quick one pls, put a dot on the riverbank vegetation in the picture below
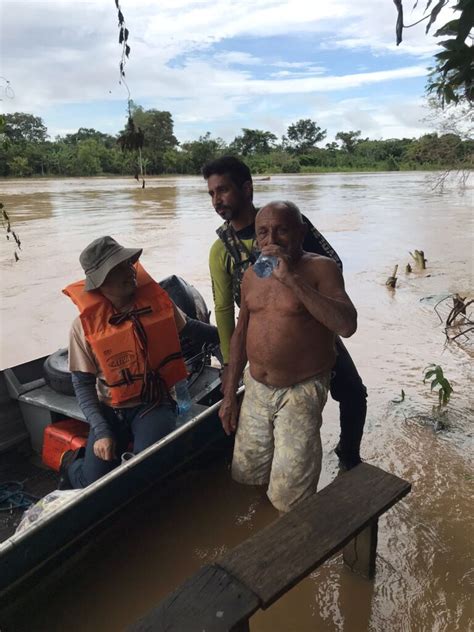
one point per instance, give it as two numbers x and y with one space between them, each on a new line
29 151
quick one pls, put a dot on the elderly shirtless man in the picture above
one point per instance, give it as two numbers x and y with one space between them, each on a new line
286 331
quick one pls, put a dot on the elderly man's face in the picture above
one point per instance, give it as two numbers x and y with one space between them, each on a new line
121 282
277 226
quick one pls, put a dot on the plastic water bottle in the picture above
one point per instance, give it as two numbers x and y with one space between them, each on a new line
264 265
183 398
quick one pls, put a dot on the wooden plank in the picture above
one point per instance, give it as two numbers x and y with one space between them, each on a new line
278 557
210 601
360 554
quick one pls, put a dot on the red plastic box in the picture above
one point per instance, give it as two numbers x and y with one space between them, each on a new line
67 434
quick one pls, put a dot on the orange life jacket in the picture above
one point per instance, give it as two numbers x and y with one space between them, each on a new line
139 352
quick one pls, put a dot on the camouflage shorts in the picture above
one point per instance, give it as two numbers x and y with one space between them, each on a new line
278 441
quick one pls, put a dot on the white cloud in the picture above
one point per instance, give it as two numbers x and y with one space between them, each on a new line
237 57
326 83
58 52
388 118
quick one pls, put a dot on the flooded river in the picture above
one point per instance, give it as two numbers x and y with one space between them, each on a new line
424 567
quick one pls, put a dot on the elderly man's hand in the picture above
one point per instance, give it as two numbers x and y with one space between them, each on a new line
284 270
229 413
105 449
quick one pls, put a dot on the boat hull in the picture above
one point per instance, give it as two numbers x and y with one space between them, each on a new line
59 534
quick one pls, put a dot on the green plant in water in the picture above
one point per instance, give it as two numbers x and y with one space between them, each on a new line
435 373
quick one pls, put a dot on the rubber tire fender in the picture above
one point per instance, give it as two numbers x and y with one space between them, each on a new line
56 372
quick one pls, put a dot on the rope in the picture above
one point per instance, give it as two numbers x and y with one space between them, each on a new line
12 496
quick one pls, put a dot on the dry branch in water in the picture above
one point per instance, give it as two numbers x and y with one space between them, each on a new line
392 280
419 257
459 322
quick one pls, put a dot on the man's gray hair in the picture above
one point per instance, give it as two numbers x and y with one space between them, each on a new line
291 206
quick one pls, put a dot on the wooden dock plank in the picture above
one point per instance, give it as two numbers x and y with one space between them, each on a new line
210 601
278 557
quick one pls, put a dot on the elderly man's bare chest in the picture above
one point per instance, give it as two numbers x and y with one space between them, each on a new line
269 296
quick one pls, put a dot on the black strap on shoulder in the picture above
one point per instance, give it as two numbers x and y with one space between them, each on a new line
224 233
234 245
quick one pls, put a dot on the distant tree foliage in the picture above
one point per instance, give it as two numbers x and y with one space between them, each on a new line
89 152
20 127
303 135
156 130
452 79
254 141
349 140
157 127
86 133
202 150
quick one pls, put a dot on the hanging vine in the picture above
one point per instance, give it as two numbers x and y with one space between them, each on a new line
132 137
10 234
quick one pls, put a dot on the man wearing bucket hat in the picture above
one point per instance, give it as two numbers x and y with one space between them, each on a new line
124 357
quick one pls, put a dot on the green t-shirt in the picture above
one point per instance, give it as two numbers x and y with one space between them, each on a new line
221 266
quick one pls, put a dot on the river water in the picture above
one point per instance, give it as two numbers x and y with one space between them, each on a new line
424 567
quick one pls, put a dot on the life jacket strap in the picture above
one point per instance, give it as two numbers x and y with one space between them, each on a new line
118 319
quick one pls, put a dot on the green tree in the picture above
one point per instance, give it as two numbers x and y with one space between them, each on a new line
253 141
204 149
37 155
85 133
19 166
88 157
157 128
445 150
177 161
21 127
349 140
304 135
452 78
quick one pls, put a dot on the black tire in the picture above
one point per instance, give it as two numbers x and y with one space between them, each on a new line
56 372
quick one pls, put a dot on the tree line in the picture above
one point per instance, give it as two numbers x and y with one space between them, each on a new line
27 150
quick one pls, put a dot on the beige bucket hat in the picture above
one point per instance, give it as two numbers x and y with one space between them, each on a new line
101 256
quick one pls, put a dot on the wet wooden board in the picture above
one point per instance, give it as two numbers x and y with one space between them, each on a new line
278 557
210 600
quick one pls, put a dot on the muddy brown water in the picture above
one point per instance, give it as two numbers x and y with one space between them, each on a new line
424 567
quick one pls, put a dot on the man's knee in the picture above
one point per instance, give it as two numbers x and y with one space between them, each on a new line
295 475
152 427
251 463
85 471
284 496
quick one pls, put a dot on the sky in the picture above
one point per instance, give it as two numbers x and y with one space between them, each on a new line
218 66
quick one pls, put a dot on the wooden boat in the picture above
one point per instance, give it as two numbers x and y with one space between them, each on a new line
28 405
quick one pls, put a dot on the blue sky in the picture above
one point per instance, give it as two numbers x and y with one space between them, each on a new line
218 66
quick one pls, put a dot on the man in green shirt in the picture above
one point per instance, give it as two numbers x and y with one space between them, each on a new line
231 190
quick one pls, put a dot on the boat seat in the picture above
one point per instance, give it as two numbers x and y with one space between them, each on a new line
46 397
